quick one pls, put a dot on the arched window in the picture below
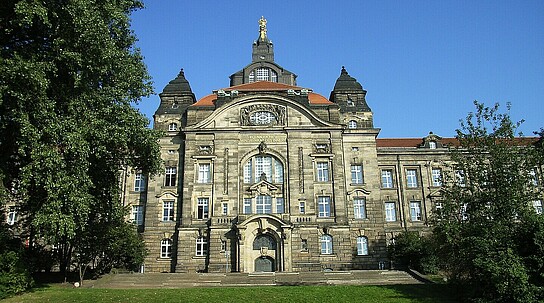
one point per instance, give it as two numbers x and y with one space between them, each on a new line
326 245
172 127
263 167
352 124
362 246
263 74
166 248
264 241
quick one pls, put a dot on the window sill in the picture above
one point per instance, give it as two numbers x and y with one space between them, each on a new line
160 259
199 257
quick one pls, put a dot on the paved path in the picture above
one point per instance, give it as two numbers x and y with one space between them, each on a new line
182 280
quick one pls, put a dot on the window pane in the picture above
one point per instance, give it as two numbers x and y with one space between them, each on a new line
326 245
247 206
357 174
324 204
279 206
139 182
411 178
247 172
137 214
387 179
415 211
362 246
322 171
359 208
437 177
263 204
390 212
202 205
204 173
278 171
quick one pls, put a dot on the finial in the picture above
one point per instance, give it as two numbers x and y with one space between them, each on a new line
343 72
262 28
181 73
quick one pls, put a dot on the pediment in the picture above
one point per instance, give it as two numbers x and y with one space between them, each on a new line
263 187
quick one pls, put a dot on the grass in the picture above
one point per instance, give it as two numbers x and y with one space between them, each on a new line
423 293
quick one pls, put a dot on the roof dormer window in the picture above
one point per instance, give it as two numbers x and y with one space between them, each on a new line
352 124
263 74
172 127
432 144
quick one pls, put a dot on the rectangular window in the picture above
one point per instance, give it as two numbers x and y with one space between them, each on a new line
411 178
538 206
415 210
12 216
387 178
202 208
357 174
223 245
279 206
139 182
390 212
166 248
302 207
324 204
170 178
225 208
460 177
437 176
263 204
322 171
247 206
168 211
359 206
201 246
204 173
533 176
137 214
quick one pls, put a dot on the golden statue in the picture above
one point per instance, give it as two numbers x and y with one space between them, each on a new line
262 28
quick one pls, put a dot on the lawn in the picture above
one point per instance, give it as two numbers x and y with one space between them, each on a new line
339 294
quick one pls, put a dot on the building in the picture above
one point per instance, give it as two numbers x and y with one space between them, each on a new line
265 175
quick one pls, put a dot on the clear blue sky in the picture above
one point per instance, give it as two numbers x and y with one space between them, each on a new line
422 62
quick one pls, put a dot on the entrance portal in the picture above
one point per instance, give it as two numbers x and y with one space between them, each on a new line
265 264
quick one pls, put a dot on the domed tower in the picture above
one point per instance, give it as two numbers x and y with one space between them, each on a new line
262 66
351 98
176 97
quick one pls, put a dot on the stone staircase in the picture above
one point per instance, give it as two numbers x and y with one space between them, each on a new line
182 280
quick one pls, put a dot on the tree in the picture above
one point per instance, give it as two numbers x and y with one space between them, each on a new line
69 75
491 238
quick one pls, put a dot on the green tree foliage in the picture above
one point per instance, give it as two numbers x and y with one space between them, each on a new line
491 238
415 251
69 75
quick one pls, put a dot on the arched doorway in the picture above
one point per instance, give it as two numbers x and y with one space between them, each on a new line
265 246
264 264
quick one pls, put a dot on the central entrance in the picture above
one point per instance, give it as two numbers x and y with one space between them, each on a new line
266 245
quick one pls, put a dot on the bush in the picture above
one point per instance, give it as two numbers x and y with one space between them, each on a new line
414 251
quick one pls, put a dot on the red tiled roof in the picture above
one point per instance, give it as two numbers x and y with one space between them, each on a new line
206 101
314 98
415 142
318 99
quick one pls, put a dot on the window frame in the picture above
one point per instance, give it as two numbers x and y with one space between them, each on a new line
322 171
357 176
359 208
386 177
436 176
362 246
172 127
139 182
204 173
324 207
203 208
168 211
170 176
415 211
201 246
137 215
390 213
263 204
166 248
326 243
411 178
